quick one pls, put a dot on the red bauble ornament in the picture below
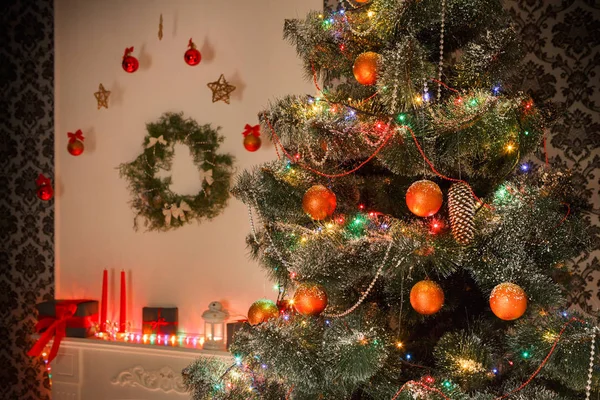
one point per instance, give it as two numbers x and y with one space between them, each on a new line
44 188
192 56
130 63
252 140
262 310
424 198
426 297
285 306
365 68
319 202
508 301
310 300
75 146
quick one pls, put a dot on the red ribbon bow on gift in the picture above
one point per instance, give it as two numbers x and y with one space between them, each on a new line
73 137
160 321
42 181
251 130
55 327
128 50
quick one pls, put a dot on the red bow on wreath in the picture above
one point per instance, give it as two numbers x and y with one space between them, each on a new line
128 51
251 130
42 181
54 327
73 137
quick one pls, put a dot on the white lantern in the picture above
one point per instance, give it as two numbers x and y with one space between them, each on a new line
214 326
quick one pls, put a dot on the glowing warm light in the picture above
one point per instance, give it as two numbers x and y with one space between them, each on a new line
418 99
399 345
371 14
469 366
550 336
510 147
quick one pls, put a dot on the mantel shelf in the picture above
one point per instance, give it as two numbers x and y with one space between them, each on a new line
140 348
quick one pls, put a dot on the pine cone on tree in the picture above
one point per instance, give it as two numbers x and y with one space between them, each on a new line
461 206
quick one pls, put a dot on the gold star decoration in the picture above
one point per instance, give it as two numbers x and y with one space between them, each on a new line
102 97
221 89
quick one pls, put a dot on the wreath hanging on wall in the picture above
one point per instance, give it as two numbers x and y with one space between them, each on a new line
161 208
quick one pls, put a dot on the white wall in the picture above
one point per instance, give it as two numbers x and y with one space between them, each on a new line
193 265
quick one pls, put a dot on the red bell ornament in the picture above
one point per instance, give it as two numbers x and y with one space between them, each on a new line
192 56
130 63
75 146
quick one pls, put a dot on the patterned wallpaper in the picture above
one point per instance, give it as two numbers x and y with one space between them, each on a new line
563 43
26 223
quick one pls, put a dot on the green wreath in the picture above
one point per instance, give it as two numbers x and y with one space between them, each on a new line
152 199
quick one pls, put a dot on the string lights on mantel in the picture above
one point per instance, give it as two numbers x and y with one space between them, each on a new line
182 341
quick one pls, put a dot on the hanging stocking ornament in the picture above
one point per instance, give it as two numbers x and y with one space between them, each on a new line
75 146
461 207
192 55
130 63
44 188
252 140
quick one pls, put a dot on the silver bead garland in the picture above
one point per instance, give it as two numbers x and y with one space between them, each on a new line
441 63
588 388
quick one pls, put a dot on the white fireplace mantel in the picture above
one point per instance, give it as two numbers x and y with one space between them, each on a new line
87 369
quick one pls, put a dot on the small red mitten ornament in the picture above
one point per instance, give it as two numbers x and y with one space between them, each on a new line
75 146
252 140
130 63
44 188
192 55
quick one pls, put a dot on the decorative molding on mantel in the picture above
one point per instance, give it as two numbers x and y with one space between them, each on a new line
164 379
140 349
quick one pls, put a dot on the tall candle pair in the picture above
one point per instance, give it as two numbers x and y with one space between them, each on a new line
104 303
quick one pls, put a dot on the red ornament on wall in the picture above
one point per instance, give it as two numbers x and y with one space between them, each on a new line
130 63
75 146
252 140
44 188
192 56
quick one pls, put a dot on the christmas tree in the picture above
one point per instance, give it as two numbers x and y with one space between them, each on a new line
417 254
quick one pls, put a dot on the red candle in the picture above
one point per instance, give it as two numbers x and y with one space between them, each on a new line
104 302
123 313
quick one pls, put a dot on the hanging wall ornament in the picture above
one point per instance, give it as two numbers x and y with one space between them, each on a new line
153 200
424 198
75 146
365 68
221 89
102 97
44 188
192 55
130 63
461 207
252 140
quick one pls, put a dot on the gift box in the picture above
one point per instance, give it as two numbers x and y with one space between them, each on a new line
159 320
81 324
232 328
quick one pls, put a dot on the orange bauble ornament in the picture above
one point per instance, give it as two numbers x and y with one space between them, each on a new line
262 310
508 301
426 297
424 198
319 202
365 68
310 300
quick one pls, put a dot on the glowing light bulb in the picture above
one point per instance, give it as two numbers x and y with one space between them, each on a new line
370 13
401 117
426 96
399 345
408 357
510 147
418 99
524 167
